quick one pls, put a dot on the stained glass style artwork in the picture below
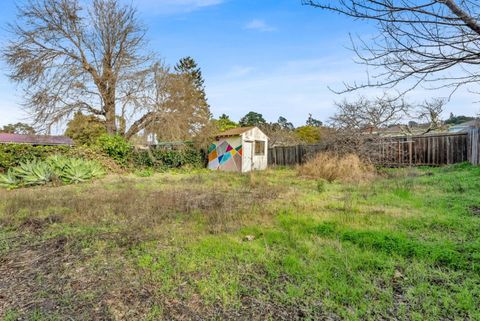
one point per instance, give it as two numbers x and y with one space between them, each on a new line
223 156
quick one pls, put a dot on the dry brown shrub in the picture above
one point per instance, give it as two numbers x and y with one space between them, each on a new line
331 167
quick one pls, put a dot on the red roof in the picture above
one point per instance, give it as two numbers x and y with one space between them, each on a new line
34 139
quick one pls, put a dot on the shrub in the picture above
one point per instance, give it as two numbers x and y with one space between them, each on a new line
116 147
85 129
333 167
12 155
95 153
168 158
74 170
34 173
37 172
9 179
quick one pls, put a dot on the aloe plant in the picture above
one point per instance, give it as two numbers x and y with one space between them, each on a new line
75 170
34 173
57 163
9 180
69 170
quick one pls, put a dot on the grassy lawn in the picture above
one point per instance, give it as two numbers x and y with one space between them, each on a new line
267 246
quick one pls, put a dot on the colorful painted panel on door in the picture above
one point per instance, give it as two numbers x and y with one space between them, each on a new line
224 155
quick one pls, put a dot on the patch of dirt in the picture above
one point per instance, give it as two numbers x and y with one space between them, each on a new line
399 300
37 225
474 210
45 279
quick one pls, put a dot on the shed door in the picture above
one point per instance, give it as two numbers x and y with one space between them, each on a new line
247 164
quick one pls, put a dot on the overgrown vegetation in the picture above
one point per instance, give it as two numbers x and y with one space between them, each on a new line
116 147
268 246
114 153
161 159
12 155
333 167
53 169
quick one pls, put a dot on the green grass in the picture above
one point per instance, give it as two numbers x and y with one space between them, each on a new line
405 246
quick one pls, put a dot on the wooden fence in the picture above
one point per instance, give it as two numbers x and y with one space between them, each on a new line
292 155
431 150
474 146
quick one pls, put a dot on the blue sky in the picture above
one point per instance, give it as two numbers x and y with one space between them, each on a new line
275 57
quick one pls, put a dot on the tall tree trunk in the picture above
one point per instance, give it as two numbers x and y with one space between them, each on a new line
109 108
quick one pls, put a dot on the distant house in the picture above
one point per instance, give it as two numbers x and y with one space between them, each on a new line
239 150
463 127
35 140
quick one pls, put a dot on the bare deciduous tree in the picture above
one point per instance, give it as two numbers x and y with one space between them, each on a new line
418 41
430 113
364 114
361 126
73 59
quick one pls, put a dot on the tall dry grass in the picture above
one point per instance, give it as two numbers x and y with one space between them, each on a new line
331 167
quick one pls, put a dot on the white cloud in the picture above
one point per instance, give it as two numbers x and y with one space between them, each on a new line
175 6
239 71
260 25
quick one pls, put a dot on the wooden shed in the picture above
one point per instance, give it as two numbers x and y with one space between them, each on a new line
239 150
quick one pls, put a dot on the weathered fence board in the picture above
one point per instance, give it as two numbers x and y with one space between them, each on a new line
432 150
474 146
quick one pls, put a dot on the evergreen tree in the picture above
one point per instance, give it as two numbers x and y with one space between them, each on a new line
313 122
85 129
309 134
225 123
284 123
252 119
190 67
458 119
18 128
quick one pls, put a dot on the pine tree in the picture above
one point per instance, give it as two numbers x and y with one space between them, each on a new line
313 122
189 66
252 119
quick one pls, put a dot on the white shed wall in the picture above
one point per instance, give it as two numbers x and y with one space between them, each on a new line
251 161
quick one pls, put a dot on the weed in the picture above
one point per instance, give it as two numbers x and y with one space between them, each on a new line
223 246
144 172
332 167
321 186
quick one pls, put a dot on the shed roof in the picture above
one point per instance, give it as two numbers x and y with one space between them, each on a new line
6 138
235 131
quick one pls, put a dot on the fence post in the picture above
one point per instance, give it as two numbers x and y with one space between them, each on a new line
410 150
474 146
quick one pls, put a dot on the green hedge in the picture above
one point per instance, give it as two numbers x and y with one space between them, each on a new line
166 158
11 155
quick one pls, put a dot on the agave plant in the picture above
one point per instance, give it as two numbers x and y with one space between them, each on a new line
57 163
69 170
77 171
34 173
9 180
96 169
